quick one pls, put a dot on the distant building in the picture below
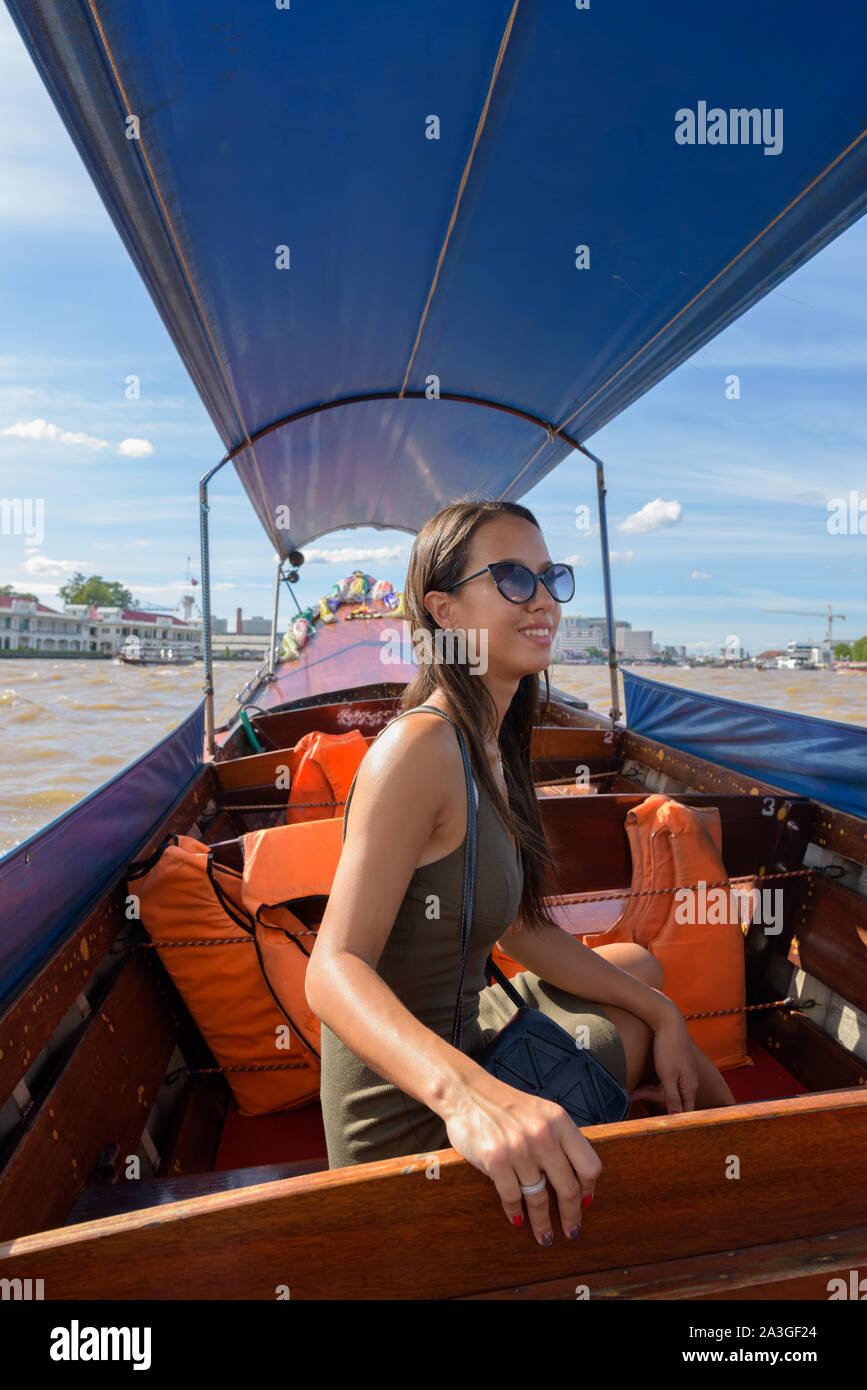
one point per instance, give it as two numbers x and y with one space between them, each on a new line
106 629
237 644
259 627
576 635
800 656
733 651
26 624
767 660
631 643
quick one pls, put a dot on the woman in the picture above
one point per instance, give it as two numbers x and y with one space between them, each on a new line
383 975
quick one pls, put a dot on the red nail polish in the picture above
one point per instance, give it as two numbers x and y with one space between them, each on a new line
586 1201
518 1220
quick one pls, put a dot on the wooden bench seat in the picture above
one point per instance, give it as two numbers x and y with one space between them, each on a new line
766 1080
96 1202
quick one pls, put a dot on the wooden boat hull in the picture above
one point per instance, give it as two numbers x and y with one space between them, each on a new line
671 1220
667 1223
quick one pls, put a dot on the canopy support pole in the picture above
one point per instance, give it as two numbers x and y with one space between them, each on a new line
606 580
272 653
206 620
208 687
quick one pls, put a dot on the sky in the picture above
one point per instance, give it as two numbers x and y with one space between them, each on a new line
719 507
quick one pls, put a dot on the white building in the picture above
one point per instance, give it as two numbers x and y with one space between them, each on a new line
26 624
577 634
800 656
29 625
108 628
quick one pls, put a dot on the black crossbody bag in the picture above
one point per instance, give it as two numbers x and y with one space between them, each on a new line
531 1052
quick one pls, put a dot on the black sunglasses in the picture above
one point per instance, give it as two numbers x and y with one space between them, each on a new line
518 584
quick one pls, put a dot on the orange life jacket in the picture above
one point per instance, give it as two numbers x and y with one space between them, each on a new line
324 775
675 846
246 994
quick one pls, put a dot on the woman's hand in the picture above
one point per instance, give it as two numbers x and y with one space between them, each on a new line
514 1139
674 1063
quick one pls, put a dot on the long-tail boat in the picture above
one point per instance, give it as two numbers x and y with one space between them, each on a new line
404 253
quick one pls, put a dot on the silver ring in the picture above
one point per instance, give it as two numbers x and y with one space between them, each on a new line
536 1187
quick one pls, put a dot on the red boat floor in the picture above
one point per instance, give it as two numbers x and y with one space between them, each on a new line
292 1136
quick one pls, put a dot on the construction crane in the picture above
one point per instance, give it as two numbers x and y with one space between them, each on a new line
800 613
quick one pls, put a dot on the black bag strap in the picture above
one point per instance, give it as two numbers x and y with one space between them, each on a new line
491 969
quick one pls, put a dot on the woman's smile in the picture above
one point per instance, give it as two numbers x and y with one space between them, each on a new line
540 635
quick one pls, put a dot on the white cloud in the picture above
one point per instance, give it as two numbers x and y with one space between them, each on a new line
578 561
620 556
652 516
135 448
51 569
42 430
352 555
699 574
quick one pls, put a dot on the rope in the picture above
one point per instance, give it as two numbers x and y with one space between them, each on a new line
821 869
296 1066
210 1071
788 1002
279 806
223 941
689 887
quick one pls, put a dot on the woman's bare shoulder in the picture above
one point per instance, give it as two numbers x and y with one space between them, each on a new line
402 791
419 741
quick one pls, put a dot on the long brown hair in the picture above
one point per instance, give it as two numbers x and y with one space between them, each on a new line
438 556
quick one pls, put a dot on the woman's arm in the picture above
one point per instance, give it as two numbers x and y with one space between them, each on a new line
562 960
400 795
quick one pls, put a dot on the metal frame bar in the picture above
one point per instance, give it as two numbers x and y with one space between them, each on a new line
552 431
601 492
277 578
208 687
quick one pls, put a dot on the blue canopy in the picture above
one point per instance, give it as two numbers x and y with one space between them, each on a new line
330 201
820 758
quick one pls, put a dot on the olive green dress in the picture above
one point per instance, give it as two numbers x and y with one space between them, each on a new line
368 1118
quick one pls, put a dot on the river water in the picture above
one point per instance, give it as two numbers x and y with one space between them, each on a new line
67 726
